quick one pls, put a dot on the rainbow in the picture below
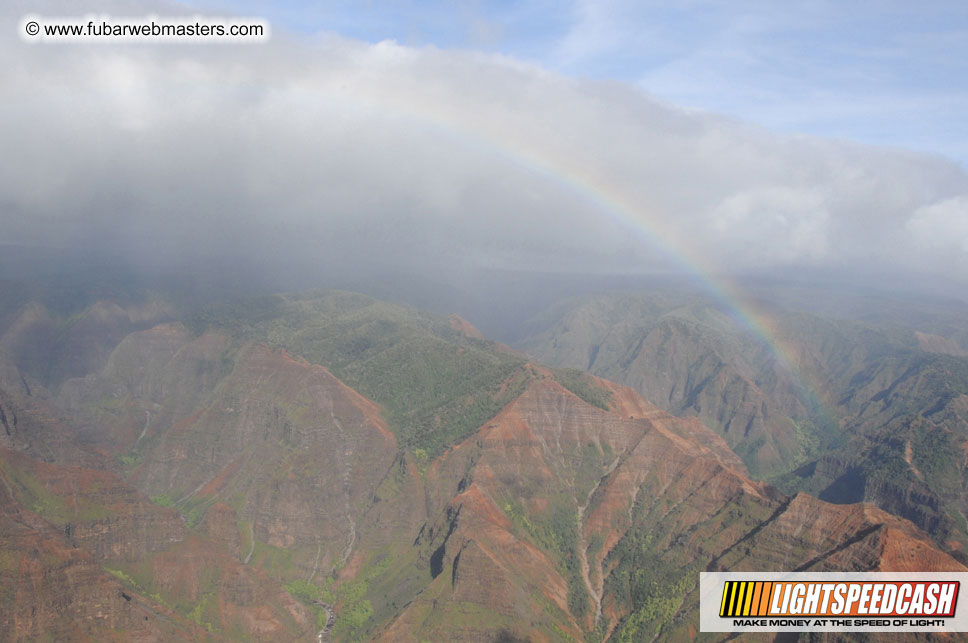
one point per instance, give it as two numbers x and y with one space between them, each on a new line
501 139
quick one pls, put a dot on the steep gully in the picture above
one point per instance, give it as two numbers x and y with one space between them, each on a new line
596 593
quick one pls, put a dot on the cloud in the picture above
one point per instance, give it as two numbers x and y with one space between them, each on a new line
325 146
892 76
940 230
796 215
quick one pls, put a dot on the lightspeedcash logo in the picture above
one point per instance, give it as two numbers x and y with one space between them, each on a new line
812 601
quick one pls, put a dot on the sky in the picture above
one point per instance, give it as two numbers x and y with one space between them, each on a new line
702 137
889 72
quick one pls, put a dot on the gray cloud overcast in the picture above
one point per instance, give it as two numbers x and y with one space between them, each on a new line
327 145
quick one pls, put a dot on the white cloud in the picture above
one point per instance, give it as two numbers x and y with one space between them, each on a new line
328 145
795 219
942 226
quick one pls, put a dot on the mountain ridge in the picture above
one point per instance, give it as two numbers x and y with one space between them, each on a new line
577 509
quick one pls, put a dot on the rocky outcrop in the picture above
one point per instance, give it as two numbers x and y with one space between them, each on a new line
51 588
95 509
302 451
555 499
50 349
464 327
687 359
574 512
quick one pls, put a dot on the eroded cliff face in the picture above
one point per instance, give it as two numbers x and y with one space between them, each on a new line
95 509
54 588
914 466
230 489
151 379
190 581
85 556
291 450
566 520
302 449
874 417
690 360
48 349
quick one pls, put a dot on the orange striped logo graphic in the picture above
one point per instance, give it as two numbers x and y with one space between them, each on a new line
746 598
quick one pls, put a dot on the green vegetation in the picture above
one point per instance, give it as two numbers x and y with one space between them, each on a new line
436 386
311 595
276 561
422 459
404 575
590 464
163 500
556 532
582 385
194 515
595 544
9 561
655 570
355 609
304 590
934 454
192 510
198 612
121 576
682 350
130 460
204 612
245 536
35 496
352 618
815 435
